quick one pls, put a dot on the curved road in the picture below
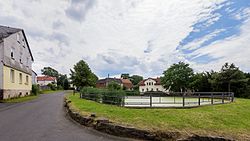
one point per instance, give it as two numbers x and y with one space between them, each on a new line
43 119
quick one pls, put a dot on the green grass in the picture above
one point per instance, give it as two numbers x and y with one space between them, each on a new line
50 91
230 120
21 99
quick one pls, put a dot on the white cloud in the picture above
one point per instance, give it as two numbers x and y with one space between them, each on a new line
110 35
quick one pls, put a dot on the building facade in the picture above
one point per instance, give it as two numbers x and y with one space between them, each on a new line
45 80
124 83
16 63
151 84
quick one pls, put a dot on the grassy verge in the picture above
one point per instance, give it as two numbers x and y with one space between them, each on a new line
229 120
50 91
21 99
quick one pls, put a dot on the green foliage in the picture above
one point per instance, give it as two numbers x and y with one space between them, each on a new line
35 89
107 96
125 76
63 82
82 76
52 86
114 86
50 72
135 79
199 82
177 77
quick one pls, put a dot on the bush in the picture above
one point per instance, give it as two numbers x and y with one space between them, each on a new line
106 96
52 86
35 89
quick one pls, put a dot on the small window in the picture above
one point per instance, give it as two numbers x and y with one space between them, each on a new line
147 89
12 53
152 89
157 89
12 76
27 80
142 90
20 78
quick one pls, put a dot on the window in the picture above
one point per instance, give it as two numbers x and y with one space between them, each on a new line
157 89
142 90
12 76
20 78
12 53
27 80
152 89
147 89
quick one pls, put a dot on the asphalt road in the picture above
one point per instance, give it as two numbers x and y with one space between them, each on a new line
44 119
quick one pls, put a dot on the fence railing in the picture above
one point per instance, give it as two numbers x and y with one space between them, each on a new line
175 99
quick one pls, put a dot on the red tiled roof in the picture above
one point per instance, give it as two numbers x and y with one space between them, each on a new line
46 78
127 83
158 81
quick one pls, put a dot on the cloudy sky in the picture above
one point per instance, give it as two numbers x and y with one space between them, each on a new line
133 36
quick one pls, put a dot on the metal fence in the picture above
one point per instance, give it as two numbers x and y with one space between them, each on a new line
176 99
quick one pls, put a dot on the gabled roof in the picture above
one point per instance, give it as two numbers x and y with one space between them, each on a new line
107 80
127 83
46 78
6 31
157 80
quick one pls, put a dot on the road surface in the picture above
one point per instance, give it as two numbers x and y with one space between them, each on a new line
44 119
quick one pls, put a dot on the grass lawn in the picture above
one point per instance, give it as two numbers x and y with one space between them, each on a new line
50 91
21 99
230 120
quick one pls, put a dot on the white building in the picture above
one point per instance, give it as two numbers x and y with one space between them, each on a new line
151 84
45 80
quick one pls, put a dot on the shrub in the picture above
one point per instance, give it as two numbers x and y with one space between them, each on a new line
52 86
35 89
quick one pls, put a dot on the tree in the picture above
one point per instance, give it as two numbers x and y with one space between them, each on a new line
50 72
177 77
230 74
114 86
62 80
125 76
82 76
200 83
135 79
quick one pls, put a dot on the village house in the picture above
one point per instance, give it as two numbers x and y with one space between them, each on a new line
43 81
16 63
151 85
124 83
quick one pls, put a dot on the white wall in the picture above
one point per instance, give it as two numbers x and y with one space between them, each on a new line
150 86
44 83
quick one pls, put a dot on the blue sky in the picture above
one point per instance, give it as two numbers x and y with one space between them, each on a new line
140 37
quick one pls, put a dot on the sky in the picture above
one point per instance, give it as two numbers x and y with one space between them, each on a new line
141 37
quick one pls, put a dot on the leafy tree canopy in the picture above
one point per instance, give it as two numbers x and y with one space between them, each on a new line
50 72
82 76
177 77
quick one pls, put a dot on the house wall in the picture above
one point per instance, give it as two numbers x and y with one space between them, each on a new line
34 78
20 62
1 70
150 86
44 83
21 56
15 89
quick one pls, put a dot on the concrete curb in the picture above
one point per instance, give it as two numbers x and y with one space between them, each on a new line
104 125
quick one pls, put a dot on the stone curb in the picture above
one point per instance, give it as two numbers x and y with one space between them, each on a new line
104 125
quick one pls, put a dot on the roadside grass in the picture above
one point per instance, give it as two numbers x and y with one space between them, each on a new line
49 91
229 120
20 99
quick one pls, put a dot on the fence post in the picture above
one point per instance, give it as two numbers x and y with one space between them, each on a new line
183 100
212 98
222 98
150 100
199 99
